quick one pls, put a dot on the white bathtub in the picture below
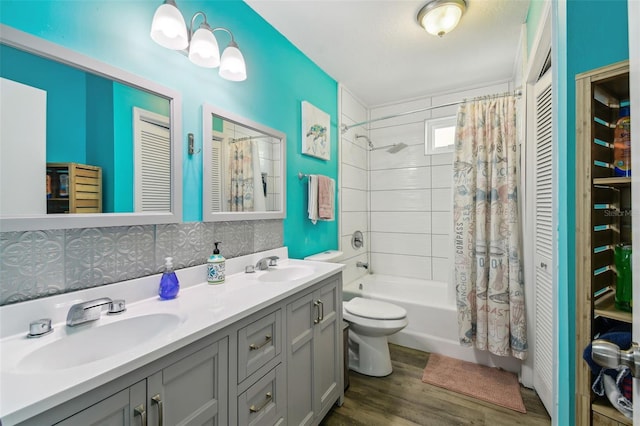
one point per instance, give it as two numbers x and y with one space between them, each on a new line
431 310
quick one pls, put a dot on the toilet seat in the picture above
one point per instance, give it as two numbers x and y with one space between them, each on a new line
374 309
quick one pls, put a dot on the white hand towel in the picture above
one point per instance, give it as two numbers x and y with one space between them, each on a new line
313 199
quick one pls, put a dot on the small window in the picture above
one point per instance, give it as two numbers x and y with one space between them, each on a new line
440 134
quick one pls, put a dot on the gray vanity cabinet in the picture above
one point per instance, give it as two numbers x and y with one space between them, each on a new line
281 365
113 411
193 391
314 349
189 391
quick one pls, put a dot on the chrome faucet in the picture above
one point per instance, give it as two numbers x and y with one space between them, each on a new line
264 263
91 310
362 265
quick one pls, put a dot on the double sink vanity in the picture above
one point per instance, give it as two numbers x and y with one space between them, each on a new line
262 348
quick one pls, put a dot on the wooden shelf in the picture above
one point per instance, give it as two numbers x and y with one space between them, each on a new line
603 407
605 307
603 219
612 181
84 188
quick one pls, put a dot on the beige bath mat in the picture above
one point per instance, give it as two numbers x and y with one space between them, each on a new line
488 384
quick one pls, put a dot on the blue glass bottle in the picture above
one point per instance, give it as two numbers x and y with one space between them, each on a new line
169 285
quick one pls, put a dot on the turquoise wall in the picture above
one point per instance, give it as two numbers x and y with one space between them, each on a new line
99 137
66 99
280 77
588 35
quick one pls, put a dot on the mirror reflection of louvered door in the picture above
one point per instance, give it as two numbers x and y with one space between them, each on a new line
152 159
543 244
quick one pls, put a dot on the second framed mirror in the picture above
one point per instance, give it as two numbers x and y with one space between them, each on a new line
243 168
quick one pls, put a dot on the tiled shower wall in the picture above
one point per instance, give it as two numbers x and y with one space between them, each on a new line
37 264
353 185
411 220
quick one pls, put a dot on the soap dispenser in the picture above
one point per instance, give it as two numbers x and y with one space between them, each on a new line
169 285
215 266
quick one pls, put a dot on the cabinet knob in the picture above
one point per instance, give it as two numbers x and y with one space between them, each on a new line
139 411
155 399
268 397
321 310
254 347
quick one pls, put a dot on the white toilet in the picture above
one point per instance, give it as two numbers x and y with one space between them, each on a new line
370 322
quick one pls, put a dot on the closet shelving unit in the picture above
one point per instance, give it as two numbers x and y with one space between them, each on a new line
603 219
84 192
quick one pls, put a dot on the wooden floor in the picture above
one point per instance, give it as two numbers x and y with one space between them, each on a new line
402 399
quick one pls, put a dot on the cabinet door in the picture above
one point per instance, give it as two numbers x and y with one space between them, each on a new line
327 337
192 391
300 328
125 408
261 404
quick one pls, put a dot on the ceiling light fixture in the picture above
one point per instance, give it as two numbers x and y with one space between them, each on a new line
438 17
169 30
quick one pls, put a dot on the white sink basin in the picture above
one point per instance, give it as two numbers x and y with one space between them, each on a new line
85 345
286 273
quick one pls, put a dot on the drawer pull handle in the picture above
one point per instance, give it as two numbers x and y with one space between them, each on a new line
140 411
255 347
316 304
158 401
268 397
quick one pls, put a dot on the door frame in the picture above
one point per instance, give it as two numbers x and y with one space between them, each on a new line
634 86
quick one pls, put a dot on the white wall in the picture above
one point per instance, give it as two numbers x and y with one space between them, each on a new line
23 142
353 182
411 199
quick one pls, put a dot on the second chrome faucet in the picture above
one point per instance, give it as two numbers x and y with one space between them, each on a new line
92 309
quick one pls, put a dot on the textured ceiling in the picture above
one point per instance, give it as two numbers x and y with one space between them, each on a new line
377 50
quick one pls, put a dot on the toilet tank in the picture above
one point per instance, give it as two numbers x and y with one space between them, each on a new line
330 256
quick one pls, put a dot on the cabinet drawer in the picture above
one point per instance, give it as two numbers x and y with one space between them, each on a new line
259 343
263 403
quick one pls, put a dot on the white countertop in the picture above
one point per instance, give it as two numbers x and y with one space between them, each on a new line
203 309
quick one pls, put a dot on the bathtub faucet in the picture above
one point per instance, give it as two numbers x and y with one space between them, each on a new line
362 265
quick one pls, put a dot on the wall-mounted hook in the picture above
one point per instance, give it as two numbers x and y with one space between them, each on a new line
191 149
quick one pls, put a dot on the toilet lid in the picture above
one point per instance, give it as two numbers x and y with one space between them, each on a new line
374 309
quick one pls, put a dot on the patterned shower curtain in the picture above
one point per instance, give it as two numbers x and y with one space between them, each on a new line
241 197
488 270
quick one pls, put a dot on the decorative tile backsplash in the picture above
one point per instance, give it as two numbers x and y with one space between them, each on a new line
37 264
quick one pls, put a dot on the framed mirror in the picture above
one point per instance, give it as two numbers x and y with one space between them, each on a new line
82 143
243 168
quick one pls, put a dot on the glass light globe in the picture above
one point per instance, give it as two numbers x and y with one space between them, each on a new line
168 28
442 20
438 17
232 66
203 49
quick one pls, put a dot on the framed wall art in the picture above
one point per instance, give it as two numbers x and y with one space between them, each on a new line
316 140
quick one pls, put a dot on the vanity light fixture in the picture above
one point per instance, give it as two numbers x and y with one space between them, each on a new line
438 17
169 30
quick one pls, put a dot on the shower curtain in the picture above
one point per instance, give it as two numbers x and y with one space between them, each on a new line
246 193
241 172
488 270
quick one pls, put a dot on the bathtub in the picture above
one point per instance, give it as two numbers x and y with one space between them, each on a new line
432 315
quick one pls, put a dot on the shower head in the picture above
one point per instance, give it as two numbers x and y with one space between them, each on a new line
391 149
396 147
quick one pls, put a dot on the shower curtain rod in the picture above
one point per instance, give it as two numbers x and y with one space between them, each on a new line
344 127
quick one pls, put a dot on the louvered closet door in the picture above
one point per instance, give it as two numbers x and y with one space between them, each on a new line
153 167
543 244
216 191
